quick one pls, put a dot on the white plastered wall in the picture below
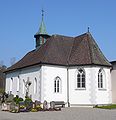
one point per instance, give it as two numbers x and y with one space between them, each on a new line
49 73
91 94
45 77
113 76
23 75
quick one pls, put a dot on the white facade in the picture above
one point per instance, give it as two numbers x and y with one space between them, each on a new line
58 83
91 94
15 82
113 75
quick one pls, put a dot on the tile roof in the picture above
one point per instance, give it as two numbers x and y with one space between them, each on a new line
66 51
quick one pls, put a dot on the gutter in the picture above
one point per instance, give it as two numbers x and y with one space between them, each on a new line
68 87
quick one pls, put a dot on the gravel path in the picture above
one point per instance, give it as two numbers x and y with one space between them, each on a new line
66 114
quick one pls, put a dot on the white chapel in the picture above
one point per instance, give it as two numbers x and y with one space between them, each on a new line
62 68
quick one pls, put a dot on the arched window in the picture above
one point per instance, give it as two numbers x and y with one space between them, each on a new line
57 85
35 85
23 86
81 78
18 83
101 79
11 85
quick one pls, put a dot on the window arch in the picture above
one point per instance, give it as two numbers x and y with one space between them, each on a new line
101 79
81 78
57 85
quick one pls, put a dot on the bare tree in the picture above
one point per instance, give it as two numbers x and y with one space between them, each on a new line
12 61
1 63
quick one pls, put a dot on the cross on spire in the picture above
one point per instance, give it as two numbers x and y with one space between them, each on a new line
42 12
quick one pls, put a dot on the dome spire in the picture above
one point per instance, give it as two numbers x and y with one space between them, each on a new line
42 34
42 28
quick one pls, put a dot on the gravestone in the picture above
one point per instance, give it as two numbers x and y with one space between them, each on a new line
52 105
45 105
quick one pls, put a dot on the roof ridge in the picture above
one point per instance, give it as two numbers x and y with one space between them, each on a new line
70 51
57 35
90 48
81 35
96 45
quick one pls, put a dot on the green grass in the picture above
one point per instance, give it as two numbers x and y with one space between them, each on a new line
112 106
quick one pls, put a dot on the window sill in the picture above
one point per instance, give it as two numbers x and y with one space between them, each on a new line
57 93
102 89
80 89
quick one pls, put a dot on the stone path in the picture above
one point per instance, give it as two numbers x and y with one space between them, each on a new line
66 114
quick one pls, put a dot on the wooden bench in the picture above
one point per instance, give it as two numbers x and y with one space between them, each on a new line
57 104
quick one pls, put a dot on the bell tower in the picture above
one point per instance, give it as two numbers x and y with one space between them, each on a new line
41 35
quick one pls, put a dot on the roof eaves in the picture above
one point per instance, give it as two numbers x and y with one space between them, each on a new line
92 64
6 71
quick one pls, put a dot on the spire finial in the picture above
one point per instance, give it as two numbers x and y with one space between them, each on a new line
42 13
88 29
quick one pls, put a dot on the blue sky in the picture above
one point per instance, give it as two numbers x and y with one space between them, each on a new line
20 20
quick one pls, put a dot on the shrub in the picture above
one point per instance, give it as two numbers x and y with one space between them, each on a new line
33 110
27 101
17 99
20 99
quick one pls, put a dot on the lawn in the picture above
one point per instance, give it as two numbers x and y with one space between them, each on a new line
111 106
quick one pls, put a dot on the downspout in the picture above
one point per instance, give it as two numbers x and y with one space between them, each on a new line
41 83
68 87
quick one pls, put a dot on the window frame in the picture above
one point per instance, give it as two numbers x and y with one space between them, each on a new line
57 85
80 75
101 79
